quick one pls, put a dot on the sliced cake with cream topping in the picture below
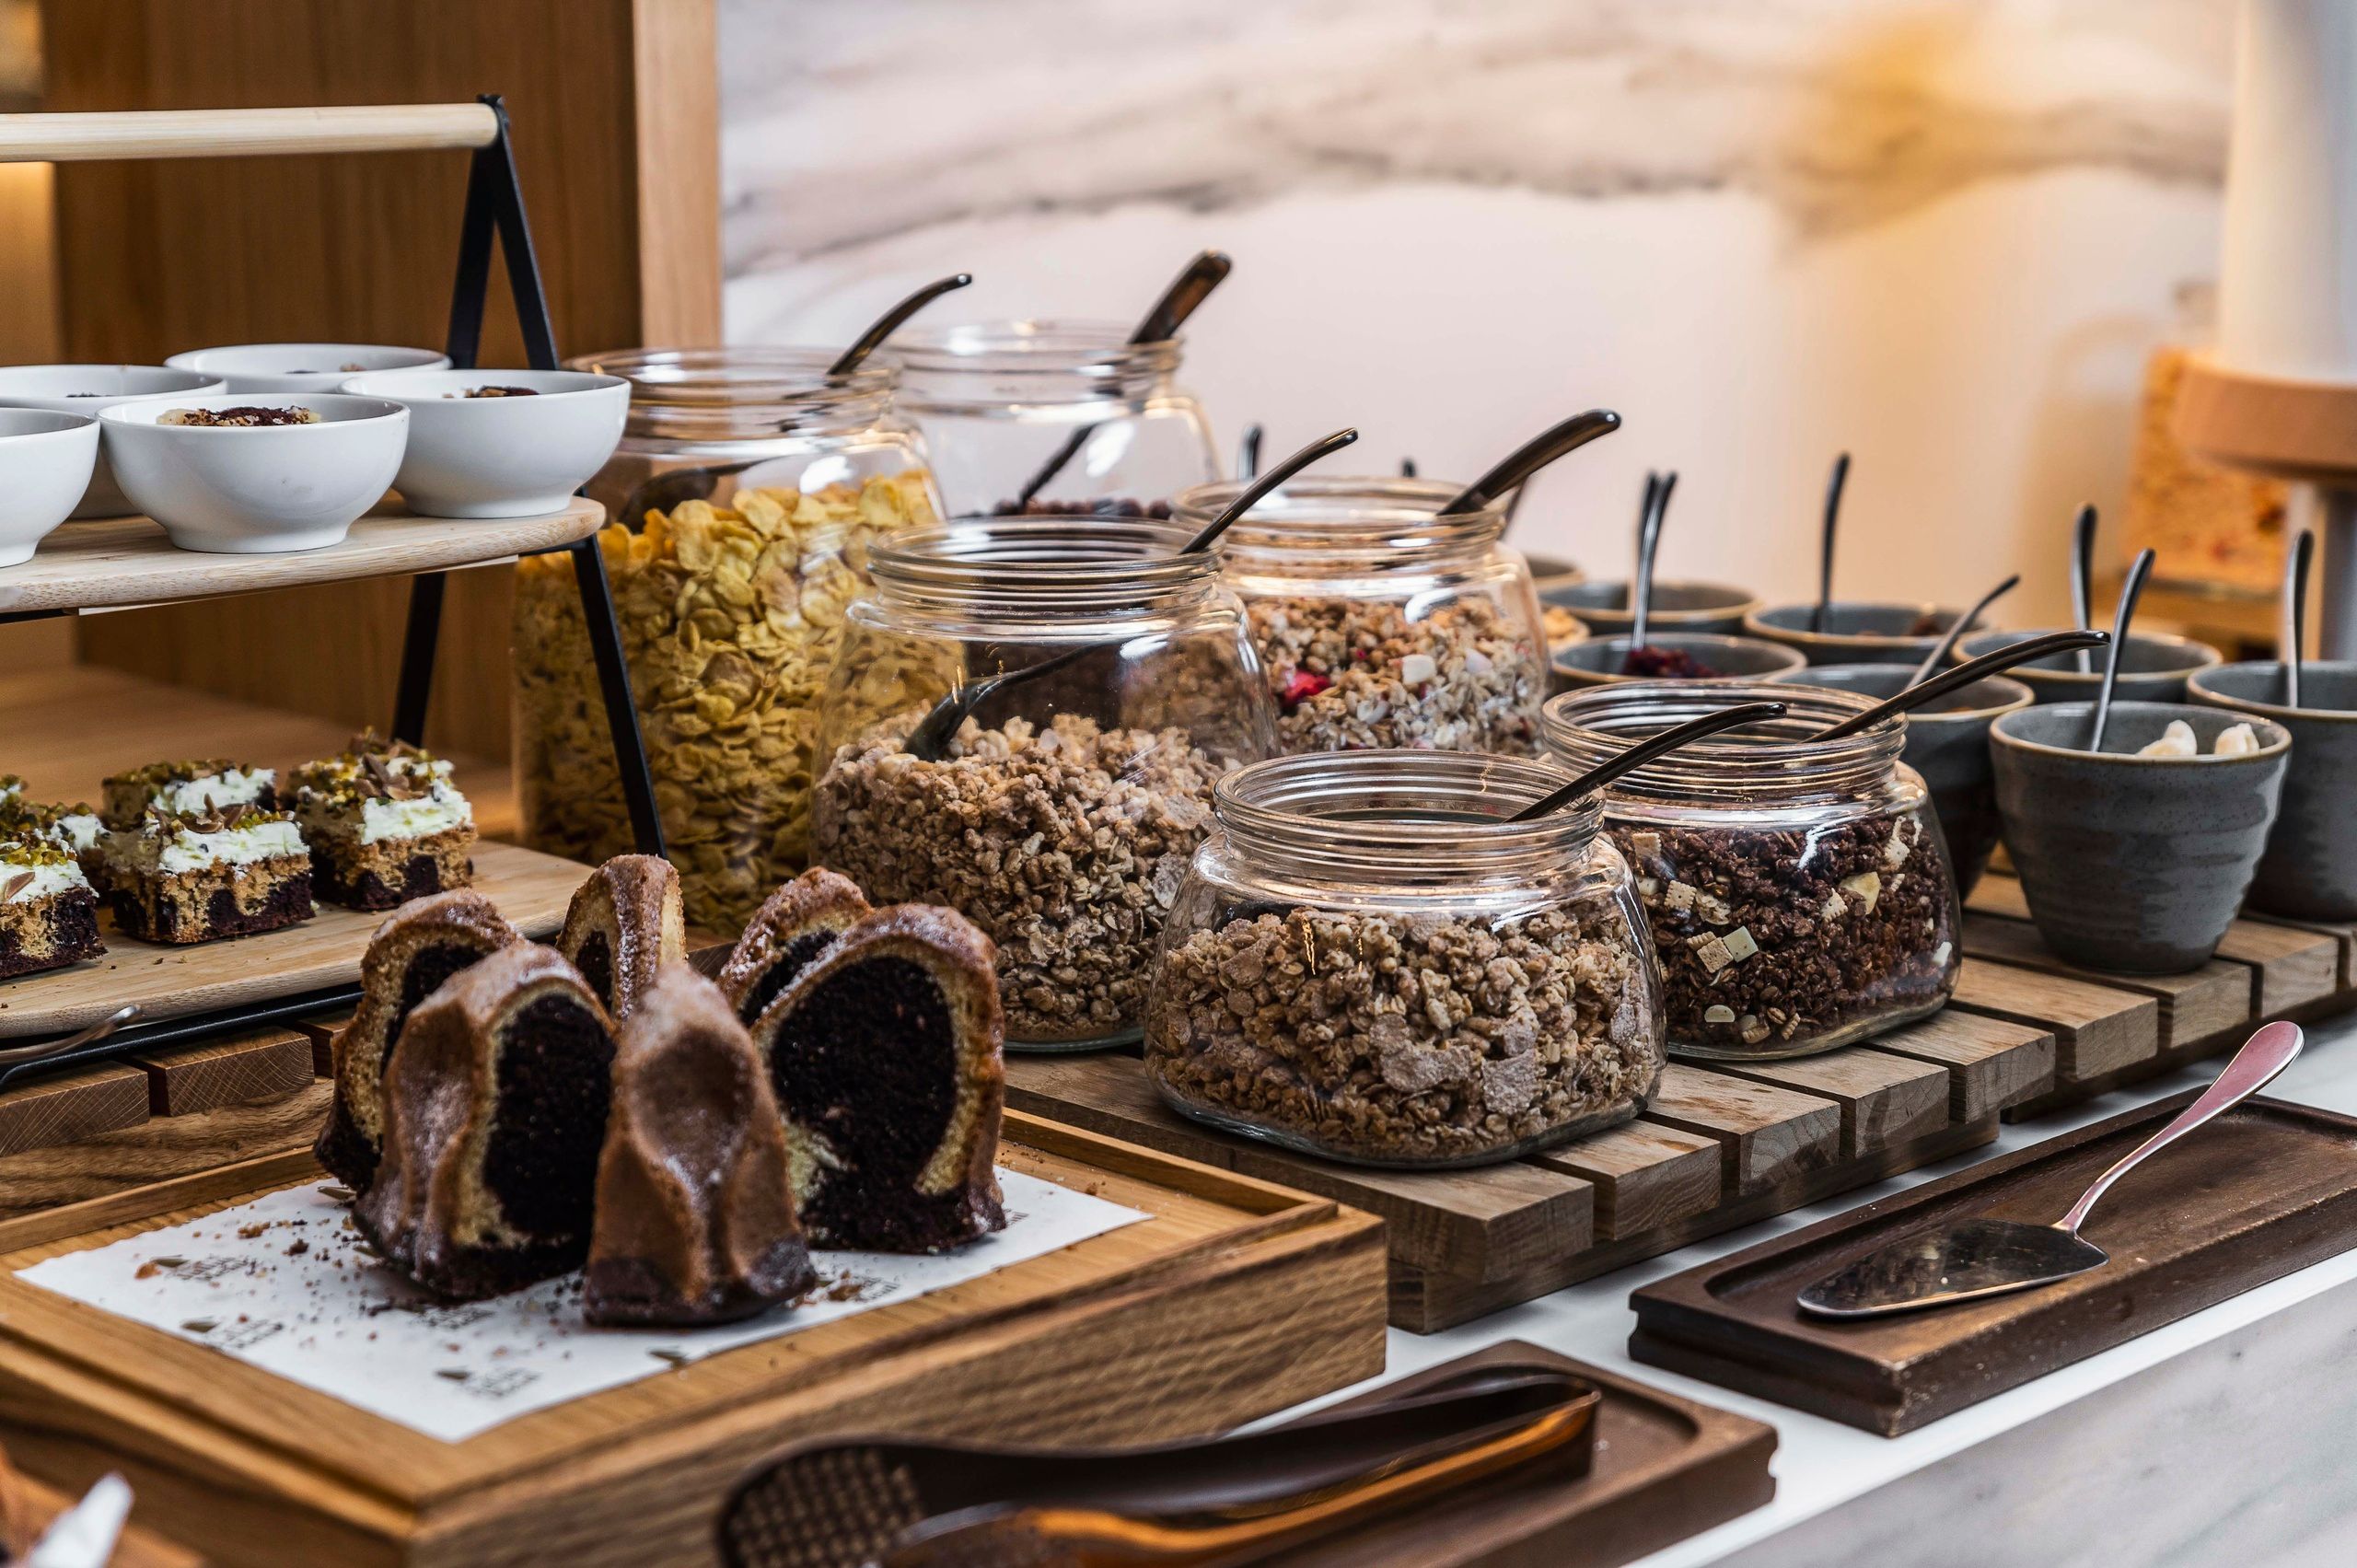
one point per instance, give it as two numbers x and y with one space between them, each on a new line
49 916
385 824
183 877
194 786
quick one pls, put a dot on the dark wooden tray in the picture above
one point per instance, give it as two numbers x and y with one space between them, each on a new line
2268 1187
1665 1468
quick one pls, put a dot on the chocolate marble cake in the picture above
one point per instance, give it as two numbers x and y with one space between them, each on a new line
695 1214
495 1109
886 1058
408 958
801 921
201 875
625 923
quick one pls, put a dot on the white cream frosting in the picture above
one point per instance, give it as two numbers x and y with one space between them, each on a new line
234 787
442 810
47 880
183 849
77 831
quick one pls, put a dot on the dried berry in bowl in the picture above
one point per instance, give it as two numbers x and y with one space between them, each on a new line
1653 663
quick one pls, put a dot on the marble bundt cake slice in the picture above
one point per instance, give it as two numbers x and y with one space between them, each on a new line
798 923
495 1109
886 1058
694 1211
408 958
624 924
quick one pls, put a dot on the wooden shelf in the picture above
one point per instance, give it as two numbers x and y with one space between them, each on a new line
121 562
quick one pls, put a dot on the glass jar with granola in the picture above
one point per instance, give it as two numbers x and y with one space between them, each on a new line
1367 961
1382 622
731 608
1097 684
1003 403
1798 890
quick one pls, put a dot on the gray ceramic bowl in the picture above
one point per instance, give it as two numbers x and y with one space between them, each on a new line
1548 573
1948 744
1598 661
1677 606
2152 666
2131 862
2309 871
1856 630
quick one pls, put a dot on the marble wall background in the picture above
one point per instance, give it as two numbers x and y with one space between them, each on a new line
1941 233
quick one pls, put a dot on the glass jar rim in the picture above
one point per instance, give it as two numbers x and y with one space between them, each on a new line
1028 346
1358 810
1379 513
1041 565
731 377
1769 756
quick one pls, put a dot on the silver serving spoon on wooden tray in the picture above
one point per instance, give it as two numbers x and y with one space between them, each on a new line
1978 1258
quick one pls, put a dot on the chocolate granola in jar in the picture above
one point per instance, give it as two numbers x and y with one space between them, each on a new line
1369 962
1059 812
1382 622
1798 890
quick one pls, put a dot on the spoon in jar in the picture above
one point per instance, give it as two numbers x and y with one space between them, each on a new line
1963 624
1247 452
2294 634
929 742
1187 291
893 321
2129 592
1833 488
1964 675
1647 750
1649 521
2083 567
1556 441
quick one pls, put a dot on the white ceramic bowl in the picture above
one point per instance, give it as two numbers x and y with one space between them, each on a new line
45 463
252 489
87 389
300 367
500 457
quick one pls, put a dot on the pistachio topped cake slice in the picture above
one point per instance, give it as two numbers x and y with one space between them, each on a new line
384 824
183 877
75 829
194 786
49 916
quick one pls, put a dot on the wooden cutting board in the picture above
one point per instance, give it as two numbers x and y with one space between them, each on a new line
530 888
1233 1299
2268 1187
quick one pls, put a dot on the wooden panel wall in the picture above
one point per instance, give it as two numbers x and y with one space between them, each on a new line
616 138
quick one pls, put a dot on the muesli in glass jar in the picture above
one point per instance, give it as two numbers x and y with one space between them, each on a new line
1381 623
1798 889
1059 812
1369 962
731 611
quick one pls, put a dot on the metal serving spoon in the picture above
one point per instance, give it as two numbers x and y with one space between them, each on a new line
1646 751
2129 592
1247 452
1556 441
1649 521
2083 567
1972 1259
1965 674
929 742
1834 485
2294 633
15 1055
1939 652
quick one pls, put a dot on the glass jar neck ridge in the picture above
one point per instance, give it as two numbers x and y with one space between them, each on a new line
1775 761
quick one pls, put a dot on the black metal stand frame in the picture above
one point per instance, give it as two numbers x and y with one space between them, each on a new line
494 207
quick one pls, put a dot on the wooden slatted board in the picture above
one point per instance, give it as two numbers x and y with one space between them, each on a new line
1718 1146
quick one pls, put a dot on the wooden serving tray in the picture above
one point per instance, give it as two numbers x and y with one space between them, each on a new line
2270 1188
1233 1299
530 888
1663 1469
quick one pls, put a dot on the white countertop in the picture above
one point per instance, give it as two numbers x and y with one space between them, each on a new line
2178 1447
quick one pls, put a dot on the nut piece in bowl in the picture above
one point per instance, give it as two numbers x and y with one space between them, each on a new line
500 443
246 474
87 389
45 465
301 367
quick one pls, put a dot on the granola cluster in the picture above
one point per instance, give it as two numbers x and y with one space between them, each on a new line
1358 674
1064 843
1409 1040
731 617
1776 942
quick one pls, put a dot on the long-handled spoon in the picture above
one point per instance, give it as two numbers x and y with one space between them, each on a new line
2129 592
1962 623
2294 634
1247 452
1556 441
1649 521
893 321
1408 467
1834 485
1976 1258
1646 751
1187 291
930 740
2083 567
1965 674
17 1054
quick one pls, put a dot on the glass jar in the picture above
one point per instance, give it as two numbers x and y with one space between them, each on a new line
1798 890
1060 815
999 401
731 611
1379 621
1366 962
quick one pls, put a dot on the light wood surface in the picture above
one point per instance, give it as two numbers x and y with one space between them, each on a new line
2098 1029
1991 1063
234 1149
136 1549
121 562
615 109
238 132
1644 1174
2216 997
1884 1098
530 888
265 1064
2300 430
1766 1134
1231 1299
69 1107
